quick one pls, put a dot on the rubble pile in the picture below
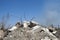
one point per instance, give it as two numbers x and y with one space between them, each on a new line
25 34
34 33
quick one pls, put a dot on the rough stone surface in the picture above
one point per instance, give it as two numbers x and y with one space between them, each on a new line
27 34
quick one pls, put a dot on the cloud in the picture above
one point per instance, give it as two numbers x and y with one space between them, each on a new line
52 13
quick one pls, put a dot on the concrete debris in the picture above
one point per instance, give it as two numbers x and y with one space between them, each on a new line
35 33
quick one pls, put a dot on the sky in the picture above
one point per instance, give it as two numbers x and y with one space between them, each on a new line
44 12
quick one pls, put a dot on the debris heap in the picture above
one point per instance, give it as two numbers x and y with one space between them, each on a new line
27 33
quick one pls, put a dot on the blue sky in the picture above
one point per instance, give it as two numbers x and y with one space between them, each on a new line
44 11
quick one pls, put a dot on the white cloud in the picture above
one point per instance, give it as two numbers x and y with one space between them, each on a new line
52 11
